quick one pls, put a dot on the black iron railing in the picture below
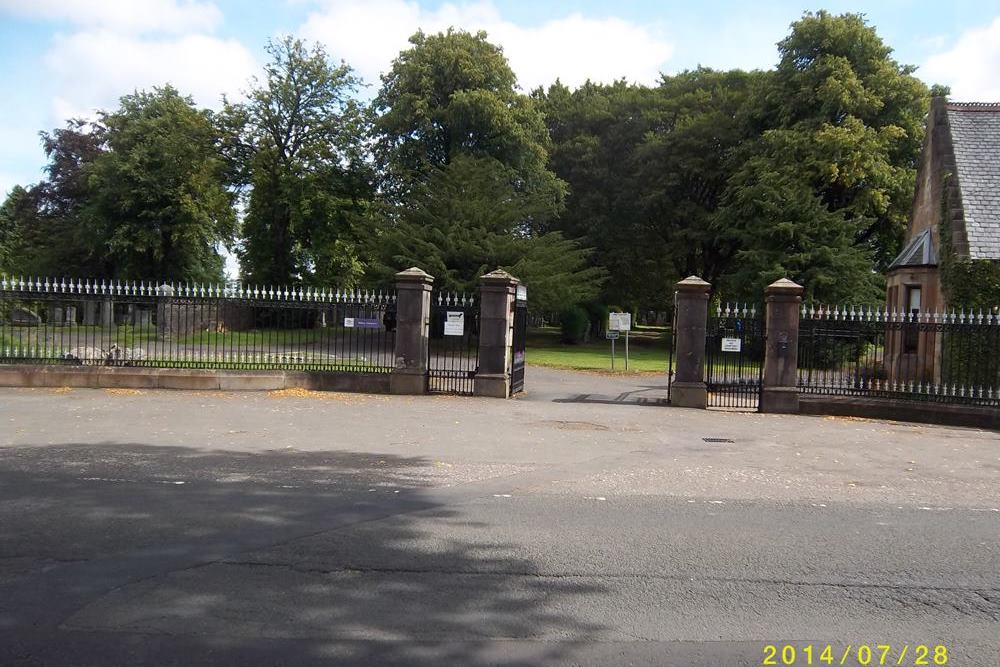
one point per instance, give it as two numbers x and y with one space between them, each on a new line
944 357
87 322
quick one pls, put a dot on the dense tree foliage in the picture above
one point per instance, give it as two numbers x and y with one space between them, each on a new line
827 189
647 169
297 144
41 227
608 191
464 161
158 198
454 94
139 194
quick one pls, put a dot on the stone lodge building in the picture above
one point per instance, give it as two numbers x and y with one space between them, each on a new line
958 194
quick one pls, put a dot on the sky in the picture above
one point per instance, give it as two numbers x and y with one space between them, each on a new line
66 58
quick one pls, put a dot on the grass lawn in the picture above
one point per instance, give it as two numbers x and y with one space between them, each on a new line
649 348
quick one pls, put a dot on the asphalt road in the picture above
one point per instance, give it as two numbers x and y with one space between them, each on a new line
577 525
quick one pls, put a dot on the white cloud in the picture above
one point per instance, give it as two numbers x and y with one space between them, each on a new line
970 67
122 15
370 34
94 68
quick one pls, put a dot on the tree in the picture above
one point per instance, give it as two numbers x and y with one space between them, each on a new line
595 131
297 144
455 94
647 168
13 213
158 195
466 219
463 162
844 125
43 233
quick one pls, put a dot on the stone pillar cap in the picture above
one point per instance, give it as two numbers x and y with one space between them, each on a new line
499 276
693 284
784 286
414 274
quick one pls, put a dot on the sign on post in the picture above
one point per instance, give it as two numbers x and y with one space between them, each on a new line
620 321
612 335
454 323
732 344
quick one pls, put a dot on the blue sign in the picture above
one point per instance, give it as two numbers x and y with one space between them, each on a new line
362 323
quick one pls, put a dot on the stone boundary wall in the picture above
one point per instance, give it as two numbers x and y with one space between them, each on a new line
108 377
923 412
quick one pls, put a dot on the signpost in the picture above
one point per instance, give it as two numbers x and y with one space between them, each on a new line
618 322
612 335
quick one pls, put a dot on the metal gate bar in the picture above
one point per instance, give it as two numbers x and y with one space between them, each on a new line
519 340
734 357
453 344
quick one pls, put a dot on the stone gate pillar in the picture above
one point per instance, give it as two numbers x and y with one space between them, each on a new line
780 392
688 387
413 317
496 325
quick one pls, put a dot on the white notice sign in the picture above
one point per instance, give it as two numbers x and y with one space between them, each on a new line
620 321
732 344
454 324
349 322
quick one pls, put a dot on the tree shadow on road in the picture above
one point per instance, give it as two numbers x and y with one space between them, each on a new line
141 554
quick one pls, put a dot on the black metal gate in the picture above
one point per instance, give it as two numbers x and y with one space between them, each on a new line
453 344
734 357
670 353
519 339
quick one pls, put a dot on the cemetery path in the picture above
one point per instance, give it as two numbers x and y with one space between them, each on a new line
569 526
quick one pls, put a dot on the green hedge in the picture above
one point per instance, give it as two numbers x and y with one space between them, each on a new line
575 324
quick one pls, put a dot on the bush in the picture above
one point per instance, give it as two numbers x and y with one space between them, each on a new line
575 324
598 314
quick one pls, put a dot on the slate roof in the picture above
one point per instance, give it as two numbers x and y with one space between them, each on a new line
918 252
975 136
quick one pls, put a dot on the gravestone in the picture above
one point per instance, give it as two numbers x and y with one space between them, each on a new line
70 313
108 314
55 315
142 317
23 317
89 313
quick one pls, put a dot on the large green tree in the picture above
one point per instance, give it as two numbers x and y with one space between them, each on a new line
41 227
466 219
296 146
595 131
647 168
453 94
826 191
463 160
158 199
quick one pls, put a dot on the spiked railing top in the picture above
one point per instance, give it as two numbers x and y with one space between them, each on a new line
730 310
454 299
120 288
984 316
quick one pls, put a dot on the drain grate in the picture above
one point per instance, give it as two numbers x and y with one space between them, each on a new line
718 440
